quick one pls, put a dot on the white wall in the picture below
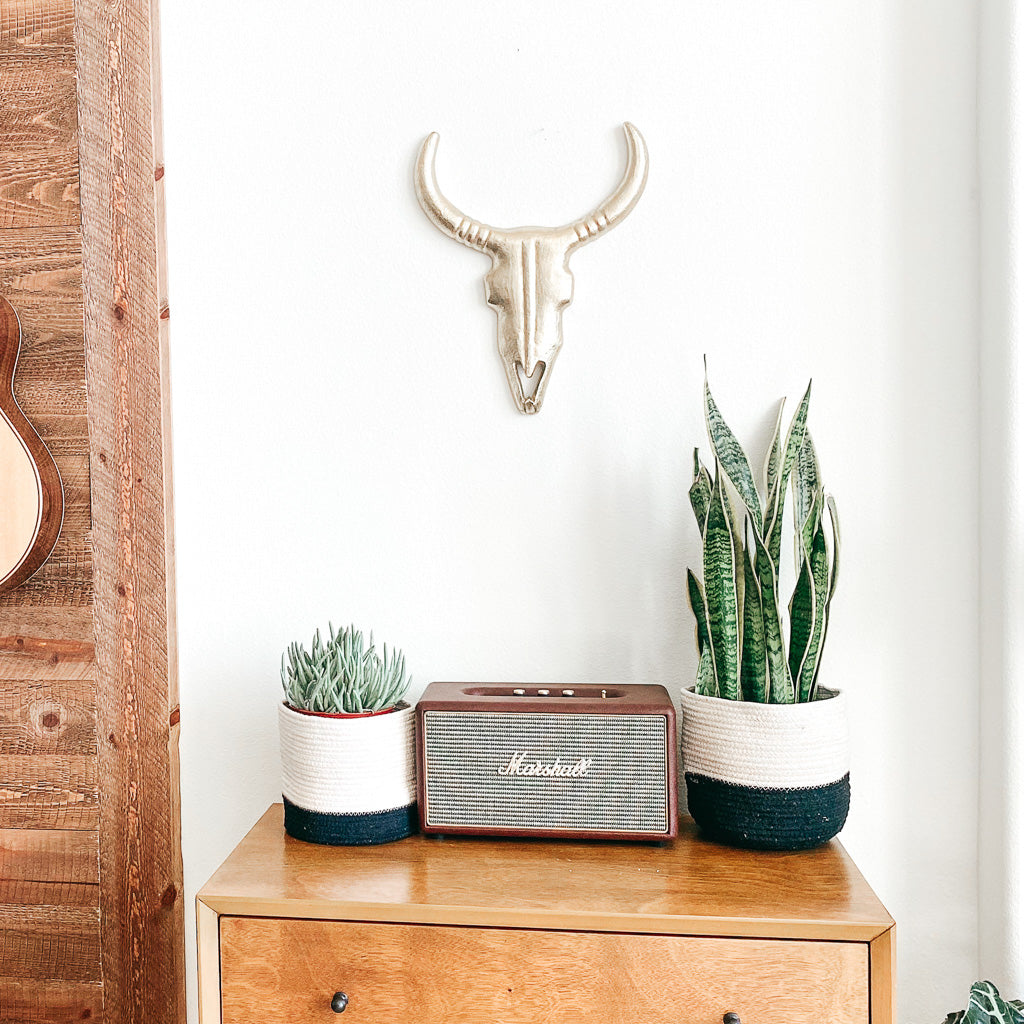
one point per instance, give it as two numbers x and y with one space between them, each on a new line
346 448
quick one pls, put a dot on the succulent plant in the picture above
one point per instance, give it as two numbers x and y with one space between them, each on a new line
343 675
742 632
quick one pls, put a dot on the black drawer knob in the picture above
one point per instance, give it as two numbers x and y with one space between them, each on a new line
731 1018
340 1001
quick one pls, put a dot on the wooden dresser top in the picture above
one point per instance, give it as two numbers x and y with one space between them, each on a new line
686 887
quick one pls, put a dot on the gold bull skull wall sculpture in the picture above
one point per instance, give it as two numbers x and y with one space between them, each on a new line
529 283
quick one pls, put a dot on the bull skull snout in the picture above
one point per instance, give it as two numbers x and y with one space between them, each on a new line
529 283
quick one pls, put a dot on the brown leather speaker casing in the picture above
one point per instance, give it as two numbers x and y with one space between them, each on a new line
466 732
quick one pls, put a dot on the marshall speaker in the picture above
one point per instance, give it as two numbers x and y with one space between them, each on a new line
587 761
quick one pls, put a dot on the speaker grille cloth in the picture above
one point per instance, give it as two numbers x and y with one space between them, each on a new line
624 790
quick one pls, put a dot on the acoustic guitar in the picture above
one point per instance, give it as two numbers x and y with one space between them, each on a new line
31 492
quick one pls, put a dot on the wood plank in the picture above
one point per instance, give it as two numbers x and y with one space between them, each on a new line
40 624
52 717
47 900
39 114
141 871
883 978
21 658
49 791
50 1002
40 855
49 942
687 886
208 947
291 969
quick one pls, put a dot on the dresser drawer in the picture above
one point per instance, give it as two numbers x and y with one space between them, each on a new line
282 970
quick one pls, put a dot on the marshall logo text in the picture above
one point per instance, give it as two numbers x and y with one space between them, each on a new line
519 765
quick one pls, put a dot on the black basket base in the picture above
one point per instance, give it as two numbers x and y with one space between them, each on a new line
367 829
767 819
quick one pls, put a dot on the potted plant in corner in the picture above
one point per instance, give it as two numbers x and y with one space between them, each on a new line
765 748
347 742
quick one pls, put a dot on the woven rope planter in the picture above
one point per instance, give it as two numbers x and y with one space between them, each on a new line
767 776
348 780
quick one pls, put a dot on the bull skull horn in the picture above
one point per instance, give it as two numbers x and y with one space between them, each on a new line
529 283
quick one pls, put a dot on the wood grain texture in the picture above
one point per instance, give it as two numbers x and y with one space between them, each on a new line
208 963
883 978
49 855
49 931
688 886
56 717
49 791
440 975
38 116
50 1002
141 871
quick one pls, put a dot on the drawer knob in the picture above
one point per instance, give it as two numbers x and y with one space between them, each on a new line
339 1002
731 1018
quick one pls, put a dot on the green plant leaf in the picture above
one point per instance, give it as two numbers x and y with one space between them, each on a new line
780 682
700 492
720 591
801 619
833 576
698 606
806 482
771 464
833 513
705 681
754 662
811 628
729 453
986 1006
777 498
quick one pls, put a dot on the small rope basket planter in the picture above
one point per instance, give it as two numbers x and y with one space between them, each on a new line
348 780
767 776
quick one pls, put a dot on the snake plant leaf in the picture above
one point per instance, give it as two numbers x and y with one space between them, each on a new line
780 681
777 498
700 492
986 1006
816 564
801 619
771 464
720 591
699 607
833 513
729 453
754 661
705 681
806 483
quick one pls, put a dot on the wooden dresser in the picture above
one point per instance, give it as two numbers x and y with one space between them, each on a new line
478 931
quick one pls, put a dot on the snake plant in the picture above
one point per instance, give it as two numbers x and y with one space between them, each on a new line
343 675
749 648
986 1006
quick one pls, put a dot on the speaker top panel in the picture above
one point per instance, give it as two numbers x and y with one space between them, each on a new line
564 698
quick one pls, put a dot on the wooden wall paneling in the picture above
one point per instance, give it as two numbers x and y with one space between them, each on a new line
50 855
90 866
50 1002
39 183
140 857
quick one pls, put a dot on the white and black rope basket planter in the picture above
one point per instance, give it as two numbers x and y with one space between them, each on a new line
767 776
348 780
